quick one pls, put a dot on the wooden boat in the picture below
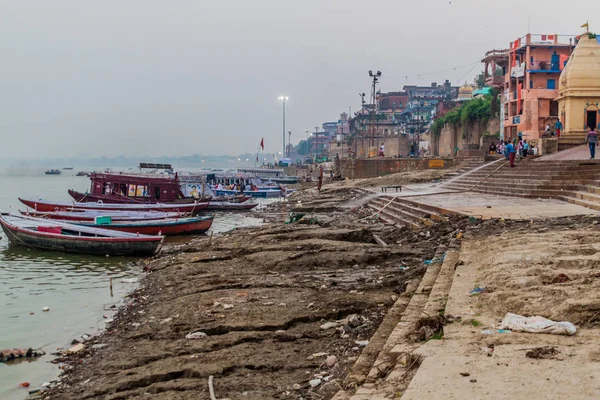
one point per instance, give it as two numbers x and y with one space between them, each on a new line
60 236
53 172
261 193
39 204
168 227
91 215
130 188
228 206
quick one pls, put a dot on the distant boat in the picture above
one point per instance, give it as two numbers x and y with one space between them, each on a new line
53 172
53 235
68 168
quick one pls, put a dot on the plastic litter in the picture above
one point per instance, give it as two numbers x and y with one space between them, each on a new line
196 335
536 324
476 291
314 382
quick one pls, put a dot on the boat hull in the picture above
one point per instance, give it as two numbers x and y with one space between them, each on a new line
184 226
265 194
47 206
143 246
90 215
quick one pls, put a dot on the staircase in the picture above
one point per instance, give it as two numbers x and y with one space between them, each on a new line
466 166
577 182
402 211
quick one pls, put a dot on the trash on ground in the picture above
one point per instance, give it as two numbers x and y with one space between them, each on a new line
536 324
542 352
196 335
76 349
561 278
12 354
477 290
362 343
314 382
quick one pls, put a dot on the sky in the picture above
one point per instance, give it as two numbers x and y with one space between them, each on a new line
82 78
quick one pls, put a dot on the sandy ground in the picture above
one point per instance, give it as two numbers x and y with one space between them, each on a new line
547 268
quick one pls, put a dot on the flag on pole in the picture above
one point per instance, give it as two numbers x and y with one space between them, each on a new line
586 25
262 144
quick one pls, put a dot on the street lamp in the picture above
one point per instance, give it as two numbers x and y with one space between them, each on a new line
375 77
283 99
289 144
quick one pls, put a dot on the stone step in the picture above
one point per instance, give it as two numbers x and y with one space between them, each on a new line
413 215
434 211
392 218
411 315
580 202
586 196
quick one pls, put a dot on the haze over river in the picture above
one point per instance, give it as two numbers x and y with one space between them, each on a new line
75 287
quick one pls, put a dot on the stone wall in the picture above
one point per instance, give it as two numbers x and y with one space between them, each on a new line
374 167
469 141
395 146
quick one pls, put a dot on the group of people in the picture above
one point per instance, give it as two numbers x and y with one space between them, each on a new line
511 148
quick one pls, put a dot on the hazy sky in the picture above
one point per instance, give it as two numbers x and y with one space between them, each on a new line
176 77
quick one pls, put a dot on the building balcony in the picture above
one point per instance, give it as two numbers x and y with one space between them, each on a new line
494 81
544 66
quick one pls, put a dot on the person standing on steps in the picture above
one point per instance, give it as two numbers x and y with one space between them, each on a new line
592 141
510 151
558 127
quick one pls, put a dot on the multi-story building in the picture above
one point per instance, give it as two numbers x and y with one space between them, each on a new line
531 84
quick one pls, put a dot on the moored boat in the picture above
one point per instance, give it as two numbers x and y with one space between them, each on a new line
167 227
92 215
229 206
39 204
261 193
53 172
59 236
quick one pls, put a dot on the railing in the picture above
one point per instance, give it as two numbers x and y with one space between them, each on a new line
544 66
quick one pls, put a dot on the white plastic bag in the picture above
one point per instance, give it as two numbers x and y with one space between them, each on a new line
537 324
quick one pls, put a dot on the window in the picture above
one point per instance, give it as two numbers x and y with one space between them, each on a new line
551 84
531 84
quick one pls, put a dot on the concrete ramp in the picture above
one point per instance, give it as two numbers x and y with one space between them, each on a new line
574 153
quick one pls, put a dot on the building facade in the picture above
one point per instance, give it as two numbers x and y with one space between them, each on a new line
531 84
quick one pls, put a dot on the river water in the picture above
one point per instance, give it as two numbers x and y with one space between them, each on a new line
75 287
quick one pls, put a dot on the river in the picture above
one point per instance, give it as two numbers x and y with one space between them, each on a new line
74 287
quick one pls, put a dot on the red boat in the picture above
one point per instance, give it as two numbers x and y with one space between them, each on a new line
90 215
48 206
168 227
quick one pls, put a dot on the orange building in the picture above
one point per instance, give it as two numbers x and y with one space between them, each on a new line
531 84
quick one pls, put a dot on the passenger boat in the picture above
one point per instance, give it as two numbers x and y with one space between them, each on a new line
92 215
46 206
168 227
53 235
53 172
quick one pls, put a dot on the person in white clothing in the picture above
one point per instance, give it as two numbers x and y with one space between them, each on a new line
382 150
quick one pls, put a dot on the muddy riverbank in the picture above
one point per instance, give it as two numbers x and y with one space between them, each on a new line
284 310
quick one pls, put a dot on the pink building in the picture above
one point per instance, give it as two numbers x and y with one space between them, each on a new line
531 84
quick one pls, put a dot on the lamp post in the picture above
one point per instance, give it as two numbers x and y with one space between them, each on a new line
284 99
289 144
375 77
